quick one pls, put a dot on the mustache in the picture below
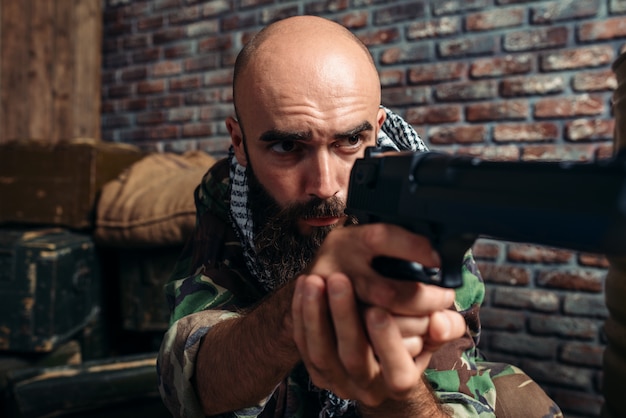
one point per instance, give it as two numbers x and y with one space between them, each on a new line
332 207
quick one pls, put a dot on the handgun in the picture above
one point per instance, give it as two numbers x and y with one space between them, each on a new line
454 200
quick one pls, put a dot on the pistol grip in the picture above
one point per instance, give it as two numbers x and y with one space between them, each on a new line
398 269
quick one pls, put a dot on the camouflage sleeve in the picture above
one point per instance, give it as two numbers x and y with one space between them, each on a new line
461 385
195 303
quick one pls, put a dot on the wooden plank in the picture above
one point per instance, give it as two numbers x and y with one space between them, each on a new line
88 52
63 74
40 70
15 34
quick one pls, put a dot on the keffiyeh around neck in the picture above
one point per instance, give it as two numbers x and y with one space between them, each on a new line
395 133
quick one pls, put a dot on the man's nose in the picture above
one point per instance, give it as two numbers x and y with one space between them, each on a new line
322 176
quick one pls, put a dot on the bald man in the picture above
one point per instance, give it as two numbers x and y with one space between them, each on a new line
276 310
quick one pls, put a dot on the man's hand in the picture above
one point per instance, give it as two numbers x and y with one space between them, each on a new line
367 355
366 337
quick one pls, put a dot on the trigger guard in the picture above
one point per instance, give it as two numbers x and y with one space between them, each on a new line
398 269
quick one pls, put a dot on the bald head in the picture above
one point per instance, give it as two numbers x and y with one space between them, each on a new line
302 52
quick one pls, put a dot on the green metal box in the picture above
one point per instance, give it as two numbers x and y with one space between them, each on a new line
49 287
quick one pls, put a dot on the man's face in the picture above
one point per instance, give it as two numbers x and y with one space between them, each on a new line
304 128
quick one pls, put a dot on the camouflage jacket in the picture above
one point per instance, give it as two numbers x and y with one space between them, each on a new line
211 283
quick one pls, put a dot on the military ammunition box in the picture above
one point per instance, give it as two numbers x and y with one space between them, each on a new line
49 287
58 184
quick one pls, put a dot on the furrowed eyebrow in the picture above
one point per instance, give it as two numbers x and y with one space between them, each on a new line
276 135
363 127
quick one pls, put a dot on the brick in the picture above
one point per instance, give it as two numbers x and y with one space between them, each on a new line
202 97
119 91
135 41
185 83
445 135
218 77
206 62
577 402
602 30
532 85
399 13
578 279
133 74
462 91
254 3
602 80
167 36
184 15
216 7
391 78
166 4
167 68
151 87
110 46
149 23
406 54
557 153
178 51
585 305
238 21
205 27
319 7
593 56
467 46
217 112
433 28
604 151
500 110
502 319
504 274
146 55
429 73
117 28
525 132
535 39
533 299
589 130
162 132
116 60
560 10
180 114
269 15
495 19
583 354
521 344
151 118
528 253
617 6
215 43
134 104
593 260
354 19
179 146
458 6
562 375
485 249
169 101
564 107
501 66
380 37
563 326
196 129
433 114
496 153
398 96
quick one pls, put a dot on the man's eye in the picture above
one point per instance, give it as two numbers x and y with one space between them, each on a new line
284 146
353 141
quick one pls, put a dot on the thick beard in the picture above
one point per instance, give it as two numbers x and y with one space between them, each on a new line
282 250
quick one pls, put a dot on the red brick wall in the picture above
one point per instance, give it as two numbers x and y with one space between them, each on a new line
503 79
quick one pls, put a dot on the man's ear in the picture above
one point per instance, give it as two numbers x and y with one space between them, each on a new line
381 117
236 137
